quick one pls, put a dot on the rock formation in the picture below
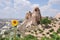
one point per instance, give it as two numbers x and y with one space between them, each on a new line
57 16
36 16
28 15
27 18
31 18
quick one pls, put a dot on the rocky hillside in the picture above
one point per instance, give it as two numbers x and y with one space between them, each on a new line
58 15
36 25
31 25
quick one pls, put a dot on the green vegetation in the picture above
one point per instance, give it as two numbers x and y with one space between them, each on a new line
12 34
51 30
40 31
58 31
45 21
54 36
45 38
28 37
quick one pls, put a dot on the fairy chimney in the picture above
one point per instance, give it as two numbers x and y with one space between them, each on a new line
32 18
28 15
36 16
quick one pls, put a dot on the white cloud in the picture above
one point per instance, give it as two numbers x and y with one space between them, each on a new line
20 7
35 5
46 10
54 2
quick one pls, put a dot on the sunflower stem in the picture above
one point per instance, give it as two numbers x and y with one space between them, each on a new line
15 33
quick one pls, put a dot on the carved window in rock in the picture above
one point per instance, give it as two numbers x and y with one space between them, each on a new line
59 17
36 9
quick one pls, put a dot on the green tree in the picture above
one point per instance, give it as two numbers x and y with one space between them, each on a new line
45 21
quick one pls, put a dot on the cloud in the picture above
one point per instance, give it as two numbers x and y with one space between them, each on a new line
35 5
54 2
21 7
47 10
18 8
14 10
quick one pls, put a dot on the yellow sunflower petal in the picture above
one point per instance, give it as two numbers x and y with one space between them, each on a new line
14 23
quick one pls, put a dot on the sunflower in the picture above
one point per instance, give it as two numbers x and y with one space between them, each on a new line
14 23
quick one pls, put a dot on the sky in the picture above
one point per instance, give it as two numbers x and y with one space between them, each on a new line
19 8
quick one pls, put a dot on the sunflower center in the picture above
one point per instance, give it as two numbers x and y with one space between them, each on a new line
14 22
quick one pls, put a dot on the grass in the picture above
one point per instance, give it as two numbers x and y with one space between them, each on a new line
12 35
15 36
28 37
58 31
54 36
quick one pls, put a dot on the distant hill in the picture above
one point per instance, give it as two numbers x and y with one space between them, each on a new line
57 16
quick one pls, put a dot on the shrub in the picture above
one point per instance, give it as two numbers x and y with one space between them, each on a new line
45 38
45 21
40 30
54 36
58 31
30 37
51 30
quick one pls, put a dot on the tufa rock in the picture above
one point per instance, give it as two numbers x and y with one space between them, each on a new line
36 16
30 20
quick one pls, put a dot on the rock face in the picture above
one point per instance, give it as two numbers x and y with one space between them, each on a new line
28 15
31 18
34 17
57 16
